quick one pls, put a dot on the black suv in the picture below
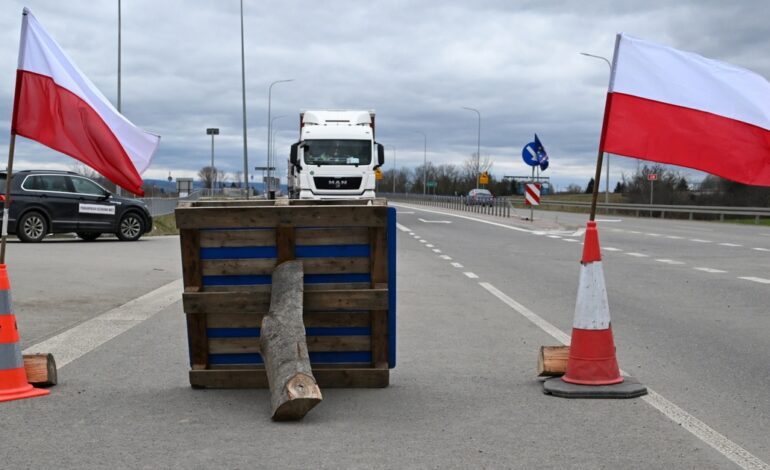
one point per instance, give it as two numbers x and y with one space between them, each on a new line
44 202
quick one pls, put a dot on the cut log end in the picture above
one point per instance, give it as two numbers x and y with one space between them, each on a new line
40 369
552 361
303 394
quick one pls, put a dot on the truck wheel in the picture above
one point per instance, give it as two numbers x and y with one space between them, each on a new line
32 227
130 228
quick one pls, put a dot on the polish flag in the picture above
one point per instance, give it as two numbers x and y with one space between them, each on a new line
677 107
58 106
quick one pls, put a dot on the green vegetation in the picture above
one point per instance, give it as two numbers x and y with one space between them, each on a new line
164 225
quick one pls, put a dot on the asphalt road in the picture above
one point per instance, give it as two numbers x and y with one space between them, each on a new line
463 394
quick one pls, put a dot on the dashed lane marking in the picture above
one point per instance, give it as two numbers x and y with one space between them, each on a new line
710 270
423 241
403 228
669 261
436 250
654 234
429 245
760 280
553 236
699 240
761 249
670 410
730 244
446 257
457 265
570 240
638 255
610 248
471 275
674 237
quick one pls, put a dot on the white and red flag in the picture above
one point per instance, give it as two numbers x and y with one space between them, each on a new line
58 106
677 107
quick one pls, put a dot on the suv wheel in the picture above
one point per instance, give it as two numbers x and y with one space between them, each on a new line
88 236
32 227
130 228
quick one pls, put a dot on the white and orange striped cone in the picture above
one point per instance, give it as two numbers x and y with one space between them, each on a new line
13 377
592 368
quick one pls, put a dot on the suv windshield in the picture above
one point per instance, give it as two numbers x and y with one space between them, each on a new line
338 152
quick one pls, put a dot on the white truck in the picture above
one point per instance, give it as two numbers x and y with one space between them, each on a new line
336 156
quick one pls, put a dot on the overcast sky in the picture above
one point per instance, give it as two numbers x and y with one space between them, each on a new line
416 63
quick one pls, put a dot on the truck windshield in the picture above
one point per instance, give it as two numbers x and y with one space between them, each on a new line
338 152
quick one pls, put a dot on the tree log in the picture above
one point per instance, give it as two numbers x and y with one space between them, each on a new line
293 389
41 369
552 361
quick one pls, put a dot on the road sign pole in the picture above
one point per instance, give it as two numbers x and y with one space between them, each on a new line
531 206
652 181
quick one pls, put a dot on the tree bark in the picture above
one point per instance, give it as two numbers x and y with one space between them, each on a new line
293 389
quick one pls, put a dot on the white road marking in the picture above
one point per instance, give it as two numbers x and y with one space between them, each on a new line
435 221
638 255
446 257
553 236
634 231
674 237
405 212
609 248
609 220
457 265
471 275
423 241
411 233
730 244
579 232
654 234
497 224
710 270
760 280
570 240
699 240
403 228
89 335
761 249
429 245
436 250
669 261
670 410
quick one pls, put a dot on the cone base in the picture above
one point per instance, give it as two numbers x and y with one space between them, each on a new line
21 393
629 388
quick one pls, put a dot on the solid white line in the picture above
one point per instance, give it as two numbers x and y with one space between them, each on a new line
89 335
638 255
761 249
730 244
710 270
511 227
699 240
471 275
669 261
457 265
698 428
760 280
446 257
403 228
609 248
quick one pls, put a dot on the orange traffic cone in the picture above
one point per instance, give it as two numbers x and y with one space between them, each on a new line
13 377
592 368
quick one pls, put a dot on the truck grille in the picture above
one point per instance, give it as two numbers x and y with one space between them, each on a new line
330 182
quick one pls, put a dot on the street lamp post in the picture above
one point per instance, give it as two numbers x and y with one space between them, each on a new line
607 182
271 144
394 167
478 144
270 126
243 91
212 131
424 163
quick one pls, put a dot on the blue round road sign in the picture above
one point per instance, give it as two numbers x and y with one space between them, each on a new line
529 154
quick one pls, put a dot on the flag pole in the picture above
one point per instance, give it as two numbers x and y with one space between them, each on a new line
600 154
7 202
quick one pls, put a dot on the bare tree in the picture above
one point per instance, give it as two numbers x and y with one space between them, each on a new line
211 177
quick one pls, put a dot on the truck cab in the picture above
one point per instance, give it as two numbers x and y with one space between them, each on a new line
336 156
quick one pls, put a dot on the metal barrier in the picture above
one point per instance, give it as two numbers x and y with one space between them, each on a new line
499 207
502 206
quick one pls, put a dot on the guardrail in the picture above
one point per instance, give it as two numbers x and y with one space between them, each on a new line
502 206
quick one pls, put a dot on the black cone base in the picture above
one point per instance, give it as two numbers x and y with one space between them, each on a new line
629 388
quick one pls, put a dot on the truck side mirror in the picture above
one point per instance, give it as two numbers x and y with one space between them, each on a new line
380 155
293 158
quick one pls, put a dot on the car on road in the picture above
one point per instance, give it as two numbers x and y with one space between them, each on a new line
44 202
479 197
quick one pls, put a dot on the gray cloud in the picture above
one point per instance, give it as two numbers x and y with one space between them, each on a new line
417 64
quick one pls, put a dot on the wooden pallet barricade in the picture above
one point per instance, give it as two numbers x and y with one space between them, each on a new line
348 248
